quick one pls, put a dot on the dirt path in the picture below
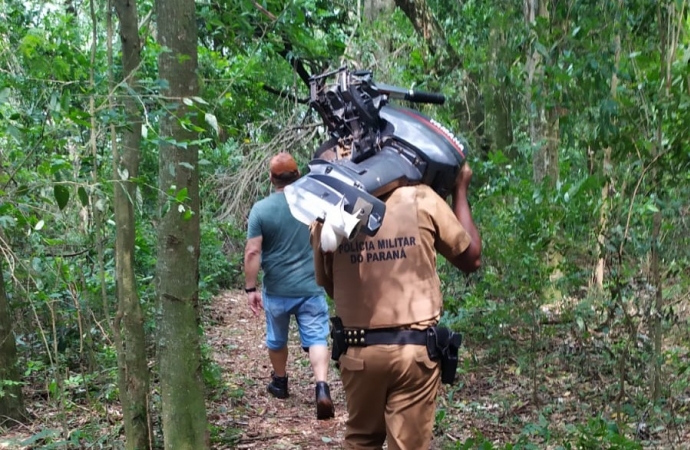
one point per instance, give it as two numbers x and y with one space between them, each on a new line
244 415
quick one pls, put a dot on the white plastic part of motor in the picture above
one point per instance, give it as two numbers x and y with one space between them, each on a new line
308 207
329 240
337 225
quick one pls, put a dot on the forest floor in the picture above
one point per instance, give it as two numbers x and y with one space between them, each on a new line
493 401
255 420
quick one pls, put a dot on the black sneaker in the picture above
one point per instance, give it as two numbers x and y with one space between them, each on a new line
324 404
278 387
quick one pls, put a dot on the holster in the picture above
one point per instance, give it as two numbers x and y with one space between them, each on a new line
444 345
338 336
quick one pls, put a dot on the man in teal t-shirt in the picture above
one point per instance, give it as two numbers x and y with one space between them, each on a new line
279 245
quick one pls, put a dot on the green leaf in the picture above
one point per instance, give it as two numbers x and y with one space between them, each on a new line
40 436
651 208
186 165
83 196
22 190
7 221
211 120
61 194
181 195
187 101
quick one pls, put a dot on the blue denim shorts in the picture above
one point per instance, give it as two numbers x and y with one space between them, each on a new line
311 314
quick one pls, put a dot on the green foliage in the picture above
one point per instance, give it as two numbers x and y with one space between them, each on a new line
215 271
596 434
225 435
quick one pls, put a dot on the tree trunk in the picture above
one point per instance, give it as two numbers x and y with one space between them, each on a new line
531 62
543 132
12 409
426 25
606 169
670 33
497 104
543 124
182 392
546 157
128 326
372 8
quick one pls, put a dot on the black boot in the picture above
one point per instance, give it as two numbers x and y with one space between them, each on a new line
324 404
278 387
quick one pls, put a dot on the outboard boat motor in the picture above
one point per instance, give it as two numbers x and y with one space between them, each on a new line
374 148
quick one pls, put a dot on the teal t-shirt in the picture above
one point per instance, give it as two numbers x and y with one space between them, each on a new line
286 254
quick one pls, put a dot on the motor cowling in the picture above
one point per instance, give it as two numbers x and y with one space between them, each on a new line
376 148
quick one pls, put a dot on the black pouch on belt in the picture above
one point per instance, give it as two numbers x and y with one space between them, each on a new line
444 344
338 336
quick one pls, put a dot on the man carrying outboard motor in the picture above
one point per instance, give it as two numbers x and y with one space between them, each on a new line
388 301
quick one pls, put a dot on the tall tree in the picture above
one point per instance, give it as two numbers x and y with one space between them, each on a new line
543 121
128 325
606 162
670 18
496 92
11 402
183 409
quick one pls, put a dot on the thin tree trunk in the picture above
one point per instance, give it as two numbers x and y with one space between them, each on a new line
544 132
182 393
497 105
531 64
128 326
544 125
426 25
657 309
670 33
606 168
372 8
12 409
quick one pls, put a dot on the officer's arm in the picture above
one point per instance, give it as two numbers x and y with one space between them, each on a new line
456 237
470 259
252 261
323 262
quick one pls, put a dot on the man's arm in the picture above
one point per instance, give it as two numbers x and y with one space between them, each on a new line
252 261
252 264
469 260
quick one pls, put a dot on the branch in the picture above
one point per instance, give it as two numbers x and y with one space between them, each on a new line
68 255
285 94
295 62
634 197
265 12
286 53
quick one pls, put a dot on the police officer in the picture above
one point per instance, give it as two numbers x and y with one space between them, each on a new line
388 302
